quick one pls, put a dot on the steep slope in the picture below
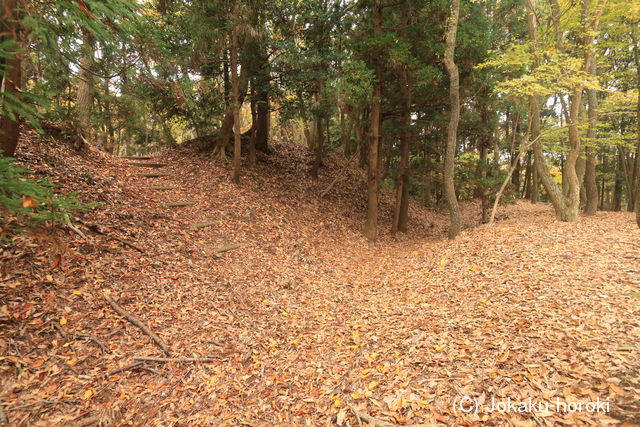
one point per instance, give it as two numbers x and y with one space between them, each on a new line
307 322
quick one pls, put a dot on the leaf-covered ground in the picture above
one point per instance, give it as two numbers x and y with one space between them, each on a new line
308 323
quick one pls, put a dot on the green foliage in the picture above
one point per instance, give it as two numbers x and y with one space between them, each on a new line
21 104
33 199
558 73
469 178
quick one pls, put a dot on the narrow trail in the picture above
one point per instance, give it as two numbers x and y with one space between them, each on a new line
519 310
305 323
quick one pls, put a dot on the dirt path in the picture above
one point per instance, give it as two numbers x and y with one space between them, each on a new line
307 321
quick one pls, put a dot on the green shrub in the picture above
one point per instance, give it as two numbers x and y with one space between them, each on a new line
33 199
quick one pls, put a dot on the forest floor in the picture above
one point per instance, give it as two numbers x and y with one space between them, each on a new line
306 323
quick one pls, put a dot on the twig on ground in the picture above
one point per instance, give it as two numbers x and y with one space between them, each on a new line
69 224
225 248
362 416
96 229
124 368
87 421
38 402
83 337
139 323
370 420
175 359
338 176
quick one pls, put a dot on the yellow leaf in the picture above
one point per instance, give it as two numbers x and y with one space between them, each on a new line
88 394
616 389
63 321
373 384
437 347
76 292
337 403
356 395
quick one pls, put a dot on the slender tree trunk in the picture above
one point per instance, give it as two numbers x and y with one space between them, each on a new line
543 173
401 214
535 185
617 189
454 118
319 146
252 137
573 197
371 225
590 184
235 105
228 124
636 175
484 199
262 100
526 186
84 102
11 77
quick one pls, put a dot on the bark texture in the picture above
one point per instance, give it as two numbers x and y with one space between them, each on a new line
454 118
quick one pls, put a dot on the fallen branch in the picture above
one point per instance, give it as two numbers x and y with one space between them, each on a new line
153 175
179 204
149 165
225 248
362 416
175 359
137 157
97 230
124 368
87 422
523 147
138 322
201 225
338 176
371 420
67 221
83 337
40 402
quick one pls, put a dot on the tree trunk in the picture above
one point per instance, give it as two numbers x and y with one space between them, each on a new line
484 199
262 99
535 185
371 224
636 175
320 135
235 106
573 180
401 214
590 184
452 130
252 131
228 126
617 189
573 197
11 77
85 90
543 173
